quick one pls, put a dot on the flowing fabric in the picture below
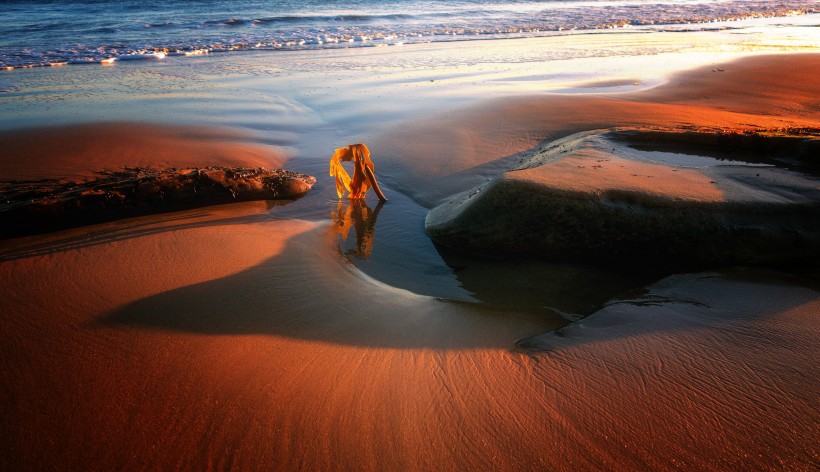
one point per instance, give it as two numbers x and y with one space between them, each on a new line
360 184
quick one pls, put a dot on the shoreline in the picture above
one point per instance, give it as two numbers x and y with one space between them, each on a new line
303 101
690 99
335 42
242 336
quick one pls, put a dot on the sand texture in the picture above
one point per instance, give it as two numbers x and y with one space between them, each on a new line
183 361
241 337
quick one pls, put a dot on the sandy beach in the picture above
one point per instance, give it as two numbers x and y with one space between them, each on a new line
249 336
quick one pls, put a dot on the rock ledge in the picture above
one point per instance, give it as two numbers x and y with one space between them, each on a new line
674 199
28 207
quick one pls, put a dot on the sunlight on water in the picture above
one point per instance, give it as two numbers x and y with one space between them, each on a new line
41 33
306 100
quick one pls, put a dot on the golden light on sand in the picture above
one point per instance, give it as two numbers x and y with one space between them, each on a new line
79 151
233 338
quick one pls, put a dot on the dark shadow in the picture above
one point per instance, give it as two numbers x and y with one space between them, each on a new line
724 300
796 151
571 290
123 230
309 292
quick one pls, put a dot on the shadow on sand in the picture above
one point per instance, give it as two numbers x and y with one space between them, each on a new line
312 291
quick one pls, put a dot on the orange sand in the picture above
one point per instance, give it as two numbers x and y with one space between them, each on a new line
78 151
460 149
598 172
221 338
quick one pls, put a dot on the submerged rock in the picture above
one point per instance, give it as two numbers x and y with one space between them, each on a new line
671 199
28 207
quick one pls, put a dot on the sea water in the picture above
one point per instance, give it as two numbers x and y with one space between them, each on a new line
40 32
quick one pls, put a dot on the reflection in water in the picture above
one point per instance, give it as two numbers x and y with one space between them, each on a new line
359 216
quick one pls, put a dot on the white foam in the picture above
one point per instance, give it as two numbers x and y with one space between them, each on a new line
195 52
141 56
85 61
411 21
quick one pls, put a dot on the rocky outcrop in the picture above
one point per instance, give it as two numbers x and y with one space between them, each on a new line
673 199
28 207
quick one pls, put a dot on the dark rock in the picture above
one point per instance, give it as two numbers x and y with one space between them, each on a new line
671 200
28 207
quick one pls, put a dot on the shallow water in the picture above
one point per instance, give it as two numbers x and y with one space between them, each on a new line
692 161
313 101
387 241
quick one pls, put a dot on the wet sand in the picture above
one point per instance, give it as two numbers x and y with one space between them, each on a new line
240 336
455 151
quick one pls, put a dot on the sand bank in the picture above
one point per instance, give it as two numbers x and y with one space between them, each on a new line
452 152
77 152
229 337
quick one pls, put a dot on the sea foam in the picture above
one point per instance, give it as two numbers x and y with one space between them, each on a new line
82 33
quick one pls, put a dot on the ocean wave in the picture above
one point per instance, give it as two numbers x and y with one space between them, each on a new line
162 24
363 18
74 36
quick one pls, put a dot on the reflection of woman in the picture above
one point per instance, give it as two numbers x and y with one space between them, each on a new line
364 176
358 215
